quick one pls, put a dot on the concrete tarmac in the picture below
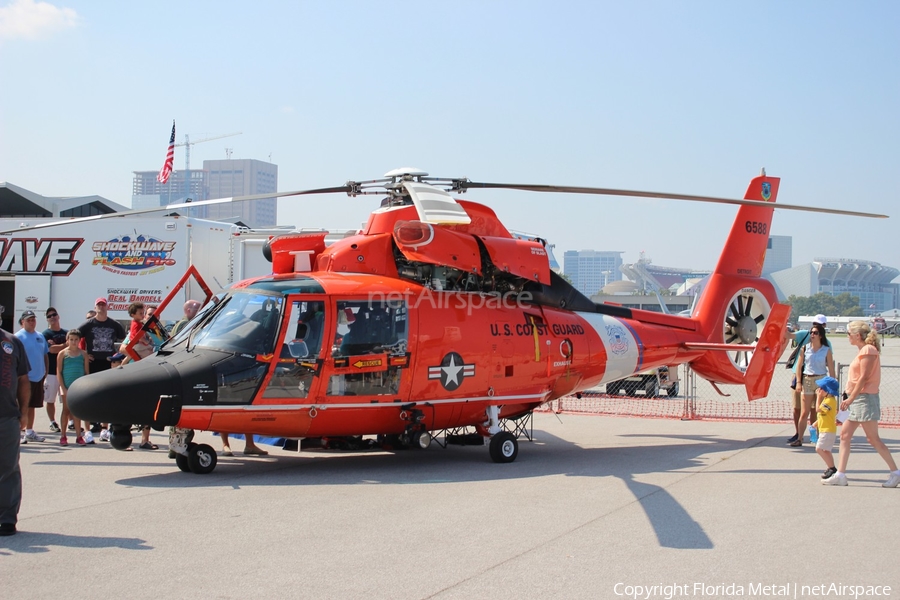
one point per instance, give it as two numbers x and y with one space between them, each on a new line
592 508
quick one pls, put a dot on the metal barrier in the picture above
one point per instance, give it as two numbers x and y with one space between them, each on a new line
699 400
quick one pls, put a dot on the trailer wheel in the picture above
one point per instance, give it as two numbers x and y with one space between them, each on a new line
673 389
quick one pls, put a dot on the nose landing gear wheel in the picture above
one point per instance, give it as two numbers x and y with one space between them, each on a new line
504 447
181 461
201 458
120 438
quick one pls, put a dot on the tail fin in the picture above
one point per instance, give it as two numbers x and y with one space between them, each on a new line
737 301
745 248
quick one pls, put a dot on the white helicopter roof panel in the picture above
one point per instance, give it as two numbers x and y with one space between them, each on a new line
435 205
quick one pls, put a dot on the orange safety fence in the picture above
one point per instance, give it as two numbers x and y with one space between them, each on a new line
697 399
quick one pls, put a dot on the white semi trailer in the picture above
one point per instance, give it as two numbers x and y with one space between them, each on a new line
70 264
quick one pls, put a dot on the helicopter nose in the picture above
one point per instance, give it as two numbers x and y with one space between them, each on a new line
146 393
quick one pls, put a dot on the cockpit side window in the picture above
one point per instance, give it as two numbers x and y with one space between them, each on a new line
301 346
369 327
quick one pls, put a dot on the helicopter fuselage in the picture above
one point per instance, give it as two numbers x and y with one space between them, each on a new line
339 355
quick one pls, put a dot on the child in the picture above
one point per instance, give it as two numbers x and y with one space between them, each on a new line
826 411
144 346
71 363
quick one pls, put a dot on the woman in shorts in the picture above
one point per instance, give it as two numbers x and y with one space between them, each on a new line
815 362
861 399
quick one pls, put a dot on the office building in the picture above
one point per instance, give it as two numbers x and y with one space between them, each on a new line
242 177
217 179
778 254
590 270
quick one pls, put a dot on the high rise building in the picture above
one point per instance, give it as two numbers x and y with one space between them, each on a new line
217 179
590 270
242 177
778 254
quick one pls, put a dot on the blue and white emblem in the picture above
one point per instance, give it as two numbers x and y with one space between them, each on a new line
766 190
618 339
7 347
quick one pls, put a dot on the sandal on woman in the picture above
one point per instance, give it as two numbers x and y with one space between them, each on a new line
796 444
148 446
255 451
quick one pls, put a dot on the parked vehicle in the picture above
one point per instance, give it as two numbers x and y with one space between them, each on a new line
650 382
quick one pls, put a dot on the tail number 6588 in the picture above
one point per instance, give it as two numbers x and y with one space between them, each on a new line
756 227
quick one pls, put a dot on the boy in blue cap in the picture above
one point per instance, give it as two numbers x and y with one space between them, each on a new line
826 421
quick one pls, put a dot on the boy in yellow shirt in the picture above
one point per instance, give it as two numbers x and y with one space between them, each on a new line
826 421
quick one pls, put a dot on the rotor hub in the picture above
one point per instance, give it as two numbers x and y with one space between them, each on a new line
747 329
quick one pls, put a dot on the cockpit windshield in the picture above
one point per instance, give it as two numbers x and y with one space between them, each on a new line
246 322
202 314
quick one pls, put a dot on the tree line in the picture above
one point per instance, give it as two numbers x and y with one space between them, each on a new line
842 305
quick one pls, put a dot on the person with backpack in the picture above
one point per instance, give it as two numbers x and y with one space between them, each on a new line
800 339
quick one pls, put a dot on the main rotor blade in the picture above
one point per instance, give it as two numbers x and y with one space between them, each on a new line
570 189
169 207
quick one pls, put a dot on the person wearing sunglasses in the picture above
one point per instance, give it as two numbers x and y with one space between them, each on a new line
800 340
56 340
815 362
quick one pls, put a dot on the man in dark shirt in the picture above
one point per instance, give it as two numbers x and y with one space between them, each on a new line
15 393
56 340
100 336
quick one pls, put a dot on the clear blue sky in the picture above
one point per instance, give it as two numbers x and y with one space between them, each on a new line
688 97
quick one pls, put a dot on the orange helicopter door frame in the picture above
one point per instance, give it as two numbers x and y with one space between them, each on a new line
296 371
370 360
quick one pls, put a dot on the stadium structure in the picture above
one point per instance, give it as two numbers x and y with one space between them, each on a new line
650 277
869 280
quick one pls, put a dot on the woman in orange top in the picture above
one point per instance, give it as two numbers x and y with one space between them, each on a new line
861 398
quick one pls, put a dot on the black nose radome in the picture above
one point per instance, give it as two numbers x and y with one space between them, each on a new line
145 392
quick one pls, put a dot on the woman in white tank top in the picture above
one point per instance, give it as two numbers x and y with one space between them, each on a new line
815 362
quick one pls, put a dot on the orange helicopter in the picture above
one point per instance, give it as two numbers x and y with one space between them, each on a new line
433 317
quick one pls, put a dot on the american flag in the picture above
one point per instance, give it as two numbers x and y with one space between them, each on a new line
170 159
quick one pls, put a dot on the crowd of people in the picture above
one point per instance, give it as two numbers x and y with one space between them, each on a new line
36 370
816 403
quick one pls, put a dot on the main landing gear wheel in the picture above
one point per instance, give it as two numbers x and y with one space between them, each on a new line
504 447
421 439
201 458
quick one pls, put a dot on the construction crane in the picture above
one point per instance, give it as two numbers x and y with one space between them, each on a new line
188 143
